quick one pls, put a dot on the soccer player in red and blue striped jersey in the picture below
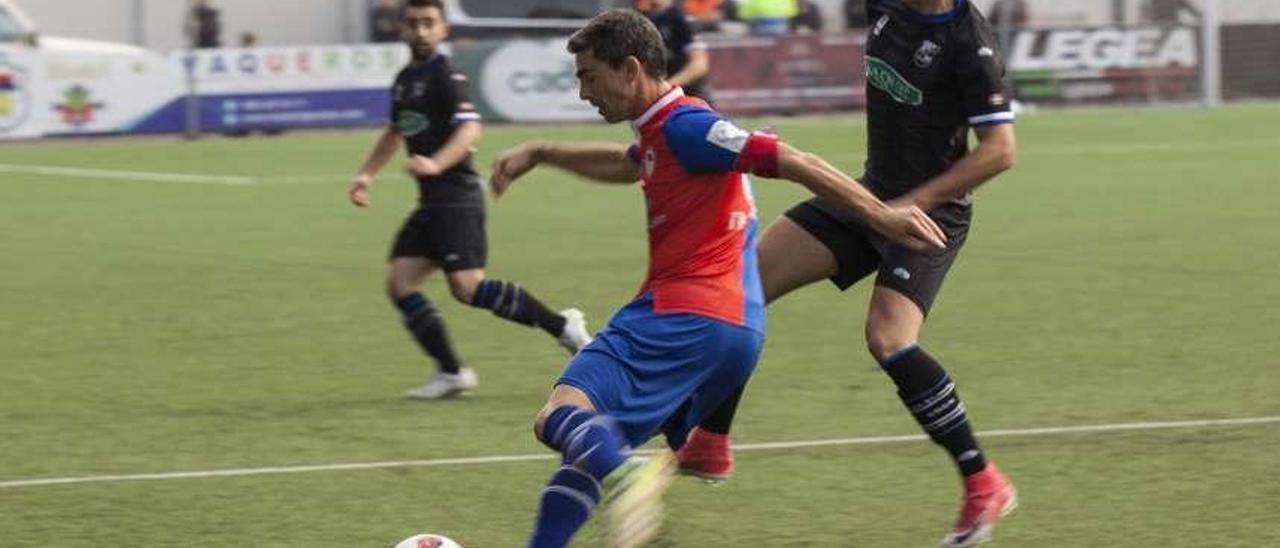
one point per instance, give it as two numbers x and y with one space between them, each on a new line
692 335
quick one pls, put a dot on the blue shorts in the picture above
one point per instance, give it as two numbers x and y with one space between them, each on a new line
666 372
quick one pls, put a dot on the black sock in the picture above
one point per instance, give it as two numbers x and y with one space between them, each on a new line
931 396
510 301
722 418
424 322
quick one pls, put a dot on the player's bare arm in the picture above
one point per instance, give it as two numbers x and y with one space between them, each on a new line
383 149
454 151
604 162
697 68
995 154
905 224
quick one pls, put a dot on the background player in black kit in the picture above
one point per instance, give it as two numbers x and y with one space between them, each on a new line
433 115
934 73
688 62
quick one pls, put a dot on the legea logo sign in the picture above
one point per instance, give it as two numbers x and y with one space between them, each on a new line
529 80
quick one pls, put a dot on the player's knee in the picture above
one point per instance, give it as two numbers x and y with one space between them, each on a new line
540 423
883 343
463 291
399 289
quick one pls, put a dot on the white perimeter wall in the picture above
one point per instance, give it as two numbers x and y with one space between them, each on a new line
291 22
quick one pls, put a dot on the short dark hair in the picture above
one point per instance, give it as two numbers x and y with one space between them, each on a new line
617 34
437 4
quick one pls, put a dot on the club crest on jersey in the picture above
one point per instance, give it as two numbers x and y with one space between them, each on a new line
411 123
880 25
650 162
924 56
882 75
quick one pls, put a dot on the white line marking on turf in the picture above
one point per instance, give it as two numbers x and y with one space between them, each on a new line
149 176
1068 150
236 472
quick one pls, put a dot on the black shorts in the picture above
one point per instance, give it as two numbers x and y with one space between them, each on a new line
859 251
452 237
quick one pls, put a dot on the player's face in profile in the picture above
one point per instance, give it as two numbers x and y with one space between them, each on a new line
423 29
605 87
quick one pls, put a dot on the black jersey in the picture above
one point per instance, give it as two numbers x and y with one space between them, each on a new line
929 79
428 102
679 39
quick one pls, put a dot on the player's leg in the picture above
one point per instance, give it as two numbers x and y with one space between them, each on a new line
461 245
512 302
905 290
893 327
406 271
596 464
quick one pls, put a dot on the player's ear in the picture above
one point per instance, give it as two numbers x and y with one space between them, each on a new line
632 68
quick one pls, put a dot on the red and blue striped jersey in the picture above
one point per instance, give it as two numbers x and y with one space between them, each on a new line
701 213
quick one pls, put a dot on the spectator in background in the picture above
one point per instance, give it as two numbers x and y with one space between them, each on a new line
1169 12
855 14
808 16
384 21
1008 14
768 17
687 59
704 15
248 40
204 25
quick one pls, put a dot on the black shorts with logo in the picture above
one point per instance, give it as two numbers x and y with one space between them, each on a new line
452 237
859 251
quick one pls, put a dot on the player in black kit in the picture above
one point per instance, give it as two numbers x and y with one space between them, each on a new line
687 59
431 112
934 74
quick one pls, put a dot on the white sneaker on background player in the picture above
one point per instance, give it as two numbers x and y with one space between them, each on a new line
445 385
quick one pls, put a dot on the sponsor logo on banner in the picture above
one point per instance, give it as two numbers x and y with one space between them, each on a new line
534 81
78 107
1106 64
15 98
1105 48
293 69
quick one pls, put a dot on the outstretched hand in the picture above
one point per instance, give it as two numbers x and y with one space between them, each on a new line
911 226
511 165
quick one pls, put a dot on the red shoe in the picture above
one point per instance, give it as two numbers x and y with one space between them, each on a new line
706 455
988 496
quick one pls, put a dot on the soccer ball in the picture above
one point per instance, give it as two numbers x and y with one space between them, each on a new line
428 540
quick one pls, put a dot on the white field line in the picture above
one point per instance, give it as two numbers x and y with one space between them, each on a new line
497 459
1068 150
341 179
1065 150
147 176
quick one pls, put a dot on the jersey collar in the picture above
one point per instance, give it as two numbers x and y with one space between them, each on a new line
667 98
936 18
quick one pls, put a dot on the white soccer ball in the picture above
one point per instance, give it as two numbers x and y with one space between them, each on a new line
428 540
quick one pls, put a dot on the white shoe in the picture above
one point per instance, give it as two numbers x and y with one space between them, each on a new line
445 385
575 335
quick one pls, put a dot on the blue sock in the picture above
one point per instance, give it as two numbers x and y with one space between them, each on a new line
588 441
567 503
